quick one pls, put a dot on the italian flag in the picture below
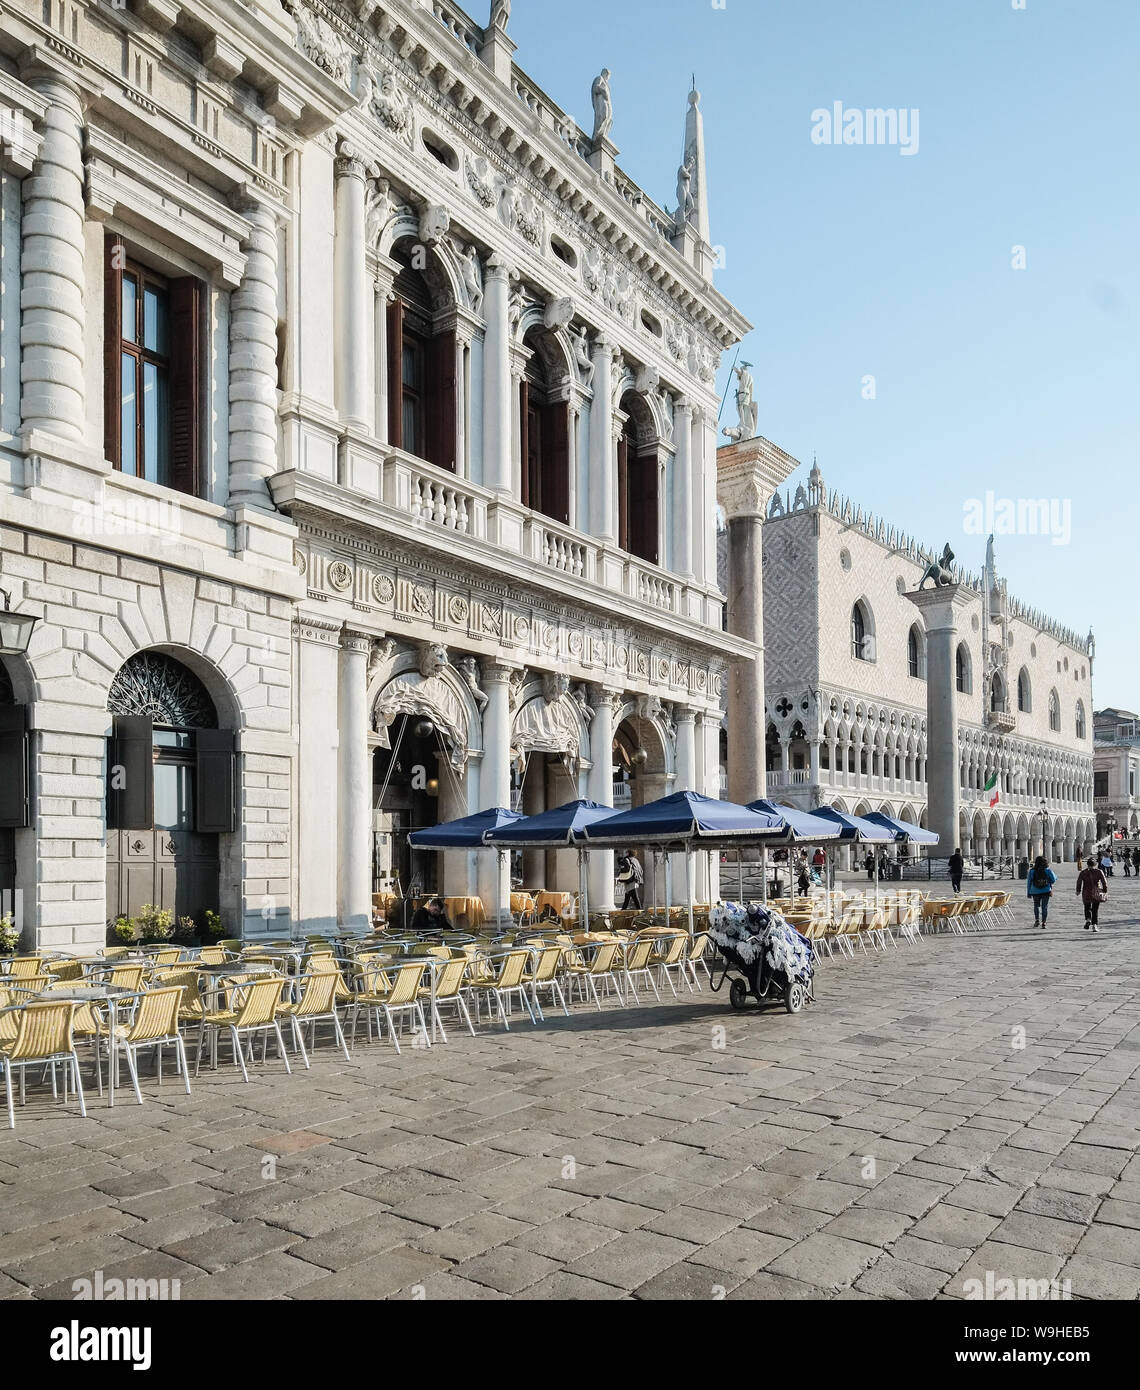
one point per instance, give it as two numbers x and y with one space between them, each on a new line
992 788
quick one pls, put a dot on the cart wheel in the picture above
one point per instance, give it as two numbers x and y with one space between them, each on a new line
794 998
738 994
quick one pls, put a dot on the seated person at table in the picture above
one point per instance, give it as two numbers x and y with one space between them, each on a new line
431 917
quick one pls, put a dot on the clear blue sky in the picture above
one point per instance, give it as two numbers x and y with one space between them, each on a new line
856 260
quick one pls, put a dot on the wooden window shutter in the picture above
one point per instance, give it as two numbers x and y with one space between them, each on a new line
15 783
114 251
623 493
396 374
215 811
643 506
185 384
441 401
130 776
556 463
525 441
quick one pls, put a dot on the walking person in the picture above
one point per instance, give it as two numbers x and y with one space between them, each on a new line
1127 859
956 865
869 865
1092 889
1039 890
630 875
1136 861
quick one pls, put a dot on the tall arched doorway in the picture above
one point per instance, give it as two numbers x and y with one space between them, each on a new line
412 790
171 790
13 791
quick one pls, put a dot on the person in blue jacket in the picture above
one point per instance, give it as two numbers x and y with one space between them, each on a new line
1039 889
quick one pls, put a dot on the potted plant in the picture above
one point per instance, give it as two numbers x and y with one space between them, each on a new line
215 928
9 935
156 923
124 930
186 931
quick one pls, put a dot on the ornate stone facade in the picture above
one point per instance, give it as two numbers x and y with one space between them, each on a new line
276 167
850 729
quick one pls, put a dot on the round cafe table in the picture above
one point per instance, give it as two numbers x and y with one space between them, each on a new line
97 994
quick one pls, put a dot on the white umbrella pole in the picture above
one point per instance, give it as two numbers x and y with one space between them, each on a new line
740 874
668 888
583 891
764 871
689 887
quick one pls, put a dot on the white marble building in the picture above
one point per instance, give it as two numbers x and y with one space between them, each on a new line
1116 771
357 453
845 685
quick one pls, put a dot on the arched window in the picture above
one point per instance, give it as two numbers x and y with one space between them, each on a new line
1024 694
915 653
997 695
1054 711
962 677
1081 719
639 503
862 633
422 377
545 445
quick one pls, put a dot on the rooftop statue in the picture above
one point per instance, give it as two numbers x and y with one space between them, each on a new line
500 14
745 405
603 106
940 572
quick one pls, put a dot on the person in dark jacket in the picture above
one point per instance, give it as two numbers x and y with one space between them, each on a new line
631 876
869 865
956 865
1092 889
432 917
1039 890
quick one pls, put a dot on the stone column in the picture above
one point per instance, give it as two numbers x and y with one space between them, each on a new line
253 363
603 520
497 405
704 512
606 704
495 779
686 751
940 608
354 895
352 346
52 271
747 475
685 763
316 804
683 490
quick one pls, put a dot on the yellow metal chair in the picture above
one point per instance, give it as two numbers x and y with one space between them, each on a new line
450 983
317 1004
602 966
696 955
21 967
253 1010
673 958
43 1038
509 981
398 997
638 961
154 1024
212 955
543 974
67 969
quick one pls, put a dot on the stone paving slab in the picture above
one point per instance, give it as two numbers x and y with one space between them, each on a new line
943 1112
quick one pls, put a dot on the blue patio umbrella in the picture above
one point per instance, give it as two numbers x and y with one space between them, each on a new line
686 820
798 826
904 829
861 829
470 832
560 828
